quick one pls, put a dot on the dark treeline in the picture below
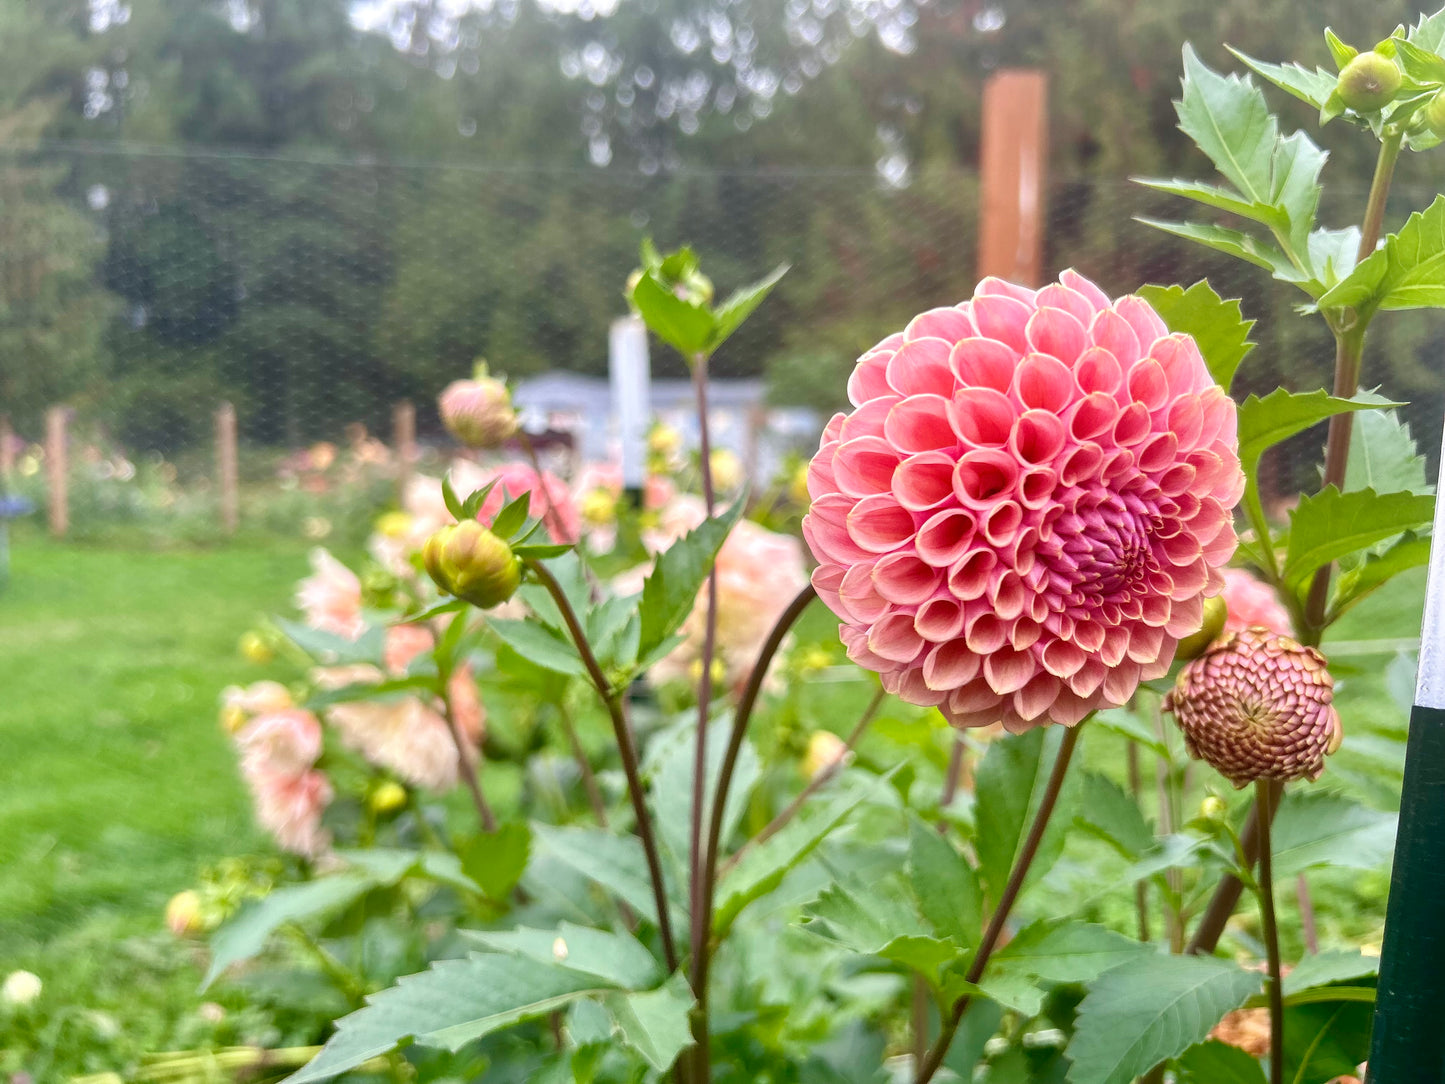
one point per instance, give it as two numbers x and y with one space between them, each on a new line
315 207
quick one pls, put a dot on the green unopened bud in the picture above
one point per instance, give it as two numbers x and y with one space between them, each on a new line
470 562
1193 645
1434 114
387 797
1213 808
1369 82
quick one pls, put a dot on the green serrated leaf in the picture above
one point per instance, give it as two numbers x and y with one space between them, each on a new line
730 315
1421 65
944 885
617 863
684 325
1429 32
656 1023
512 515
1313 87
542 550
331 650
1314 828
1332 254
869 918
1064 951
472 506
1220 198
1328 525
539 646
1110 813
1012 778
1407 272
614 958
1149 1010
454 1003
497 860
1325 968
441 609
1214 1062
1217 326
246 935
450 498
1229 120
1355 584
1235 243
1326 1041
670 592
1383 456
669 766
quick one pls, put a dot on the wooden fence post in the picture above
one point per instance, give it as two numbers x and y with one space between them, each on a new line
57 469
1013 159
226 468
403 442
7 450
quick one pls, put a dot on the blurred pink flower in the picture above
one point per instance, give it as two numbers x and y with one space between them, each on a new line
240 703
1253 602
1028 505
289 806
330 598
286 741
547 494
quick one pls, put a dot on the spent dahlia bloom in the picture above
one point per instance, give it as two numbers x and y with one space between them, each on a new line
1252 602
1258 705
330 598
1028 504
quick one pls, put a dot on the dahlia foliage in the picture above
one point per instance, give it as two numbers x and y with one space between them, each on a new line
1028 504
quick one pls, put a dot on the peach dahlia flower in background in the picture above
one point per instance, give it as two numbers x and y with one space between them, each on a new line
1028 504
1252 602
330 598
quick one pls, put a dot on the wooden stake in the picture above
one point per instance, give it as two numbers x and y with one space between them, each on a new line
403 442
1013 157
57 472
226 469
7 450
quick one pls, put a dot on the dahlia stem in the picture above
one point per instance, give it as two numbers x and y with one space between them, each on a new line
952 778
1349 351
1005 903
1168 817
625 748
1141 887
550 514
778 823
468 769
1226 896
1264 801
699 888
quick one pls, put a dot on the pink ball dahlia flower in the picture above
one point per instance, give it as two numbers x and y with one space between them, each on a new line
1028 504
1252 602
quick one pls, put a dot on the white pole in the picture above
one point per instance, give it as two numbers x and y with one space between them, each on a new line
630 372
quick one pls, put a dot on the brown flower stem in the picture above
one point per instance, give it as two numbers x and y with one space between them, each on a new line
699 889
918 1019
1226 895
1264 799
1349 352
589 780
626 749
468 769
1005 903
1307 913
1141 887
952 778
778 823
550 514
1173 918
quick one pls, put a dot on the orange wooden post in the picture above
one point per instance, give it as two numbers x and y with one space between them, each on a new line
57 471
226 468
1013 162
403 442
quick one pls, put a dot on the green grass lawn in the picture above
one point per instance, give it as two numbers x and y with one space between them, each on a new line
116 783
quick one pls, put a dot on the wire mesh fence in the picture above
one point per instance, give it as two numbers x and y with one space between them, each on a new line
151 286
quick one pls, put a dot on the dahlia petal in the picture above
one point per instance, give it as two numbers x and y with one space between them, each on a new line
855 643
1036 487
869 379
1115 645
1070 709
1024 633
1057 333
983 476
912 688
1001 526
984 363
1062 658
975 698
920 367
868 420
1043 382
1120 683
1186 420
864 466
949 666
827 579
859 597
1158 452
1145 644
1098 370
920 424
1002 318
1142 318
892 637
1038 436
984 633
993 286
1092 416
981 417
1132 425
1080 462
939 619
924 481
1008 595
949 324
1086 289
1181 363
1089 678
904 579
1007 670
1148 385
1058 296
1037 696
821 479
879 524
1116 340
828 541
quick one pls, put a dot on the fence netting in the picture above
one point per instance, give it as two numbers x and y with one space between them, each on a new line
143 287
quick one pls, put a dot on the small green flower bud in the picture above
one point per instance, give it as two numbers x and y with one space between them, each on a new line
1213 808
1434 114
387 797
1193 645
470 562
1369 82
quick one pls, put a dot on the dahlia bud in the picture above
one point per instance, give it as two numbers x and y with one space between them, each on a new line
388 797
183 914
1256 706
20 989
1192 646
478 412
1213 808
1369 82
255 648
470 562
1434 114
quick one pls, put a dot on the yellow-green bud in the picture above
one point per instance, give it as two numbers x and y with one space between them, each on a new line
388 797
1434 113
470 562
1369 82
255 648
478 412
1213 808
1193 645
183 914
